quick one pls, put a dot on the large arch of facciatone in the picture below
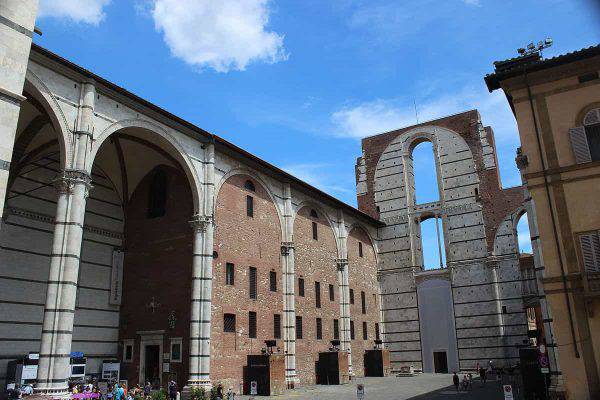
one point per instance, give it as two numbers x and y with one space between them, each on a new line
315 262
244 242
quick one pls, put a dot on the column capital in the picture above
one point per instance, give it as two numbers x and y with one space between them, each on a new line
341 263
66 181
200 223
286 247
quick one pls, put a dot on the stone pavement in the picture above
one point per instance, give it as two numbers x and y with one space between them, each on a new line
420 387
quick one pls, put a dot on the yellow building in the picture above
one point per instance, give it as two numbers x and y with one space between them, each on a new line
556 103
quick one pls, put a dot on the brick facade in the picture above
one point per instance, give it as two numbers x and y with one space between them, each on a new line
245 242
315 262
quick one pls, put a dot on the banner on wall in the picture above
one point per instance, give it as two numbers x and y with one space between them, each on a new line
116 277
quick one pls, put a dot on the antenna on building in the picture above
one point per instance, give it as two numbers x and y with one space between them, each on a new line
532 48
416 113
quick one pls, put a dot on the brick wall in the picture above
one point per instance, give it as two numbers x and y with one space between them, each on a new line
315 262
362 278
158 264
244 242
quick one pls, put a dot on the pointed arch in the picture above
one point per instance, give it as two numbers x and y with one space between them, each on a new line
165 139
251 174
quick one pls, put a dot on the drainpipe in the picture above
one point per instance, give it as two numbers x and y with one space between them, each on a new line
554 229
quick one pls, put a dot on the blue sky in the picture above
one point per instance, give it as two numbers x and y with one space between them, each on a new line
298 83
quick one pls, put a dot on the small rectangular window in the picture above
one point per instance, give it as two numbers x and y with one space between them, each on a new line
318 294
331 293
377 331
253 289
273 281
363 301
315 231
229 323
252 324
336 329
365 331
298 327
277 326
504 310
360 249
319 329
351 296
229 274
176 349
128 350
351 330
301 287
250 206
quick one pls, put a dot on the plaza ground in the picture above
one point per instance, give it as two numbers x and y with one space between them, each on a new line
420 387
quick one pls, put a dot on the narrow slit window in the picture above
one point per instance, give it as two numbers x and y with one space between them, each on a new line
365 331
318 294
351 296
319 329
363 302
273 281
377 337
331 293
301 287
315 231
351 330
277 326
250 206
229 274
360 249
252 324
298 327
336 329
253 289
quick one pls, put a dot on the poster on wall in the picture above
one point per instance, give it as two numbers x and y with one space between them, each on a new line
116 277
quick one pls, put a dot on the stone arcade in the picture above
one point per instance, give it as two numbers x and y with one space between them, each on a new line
131 234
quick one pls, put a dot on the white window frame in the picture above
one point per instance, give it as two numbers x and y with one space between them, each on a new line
128 342
178 341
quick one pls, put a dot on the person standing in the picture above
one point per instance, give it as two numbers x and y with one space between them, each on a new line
456 381
483 375
147 390
172 390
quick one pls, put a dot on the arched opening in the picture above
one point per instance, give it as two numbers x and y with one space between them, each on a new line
27 227
523 235
425 173
432 243
135 275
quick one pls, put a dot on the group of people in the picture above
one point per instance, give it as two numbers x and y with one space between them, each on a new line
20 391
466 383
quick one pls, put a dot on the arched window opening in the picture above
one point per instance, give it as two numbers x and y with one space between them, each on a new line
592 132
523 235
313 214
432 243
157 199
425 174
248 185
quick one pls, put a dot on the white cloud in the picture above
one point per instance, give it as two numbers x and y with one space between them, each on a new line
382 115
319 175
223 35
86 11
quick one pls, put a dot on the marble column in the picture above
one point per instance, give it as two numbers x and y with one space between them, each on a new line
200 320
289 289
59 311
344 291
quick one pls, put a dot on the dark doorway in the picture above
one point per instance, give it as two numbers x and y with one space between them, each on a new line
152 365
440 362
